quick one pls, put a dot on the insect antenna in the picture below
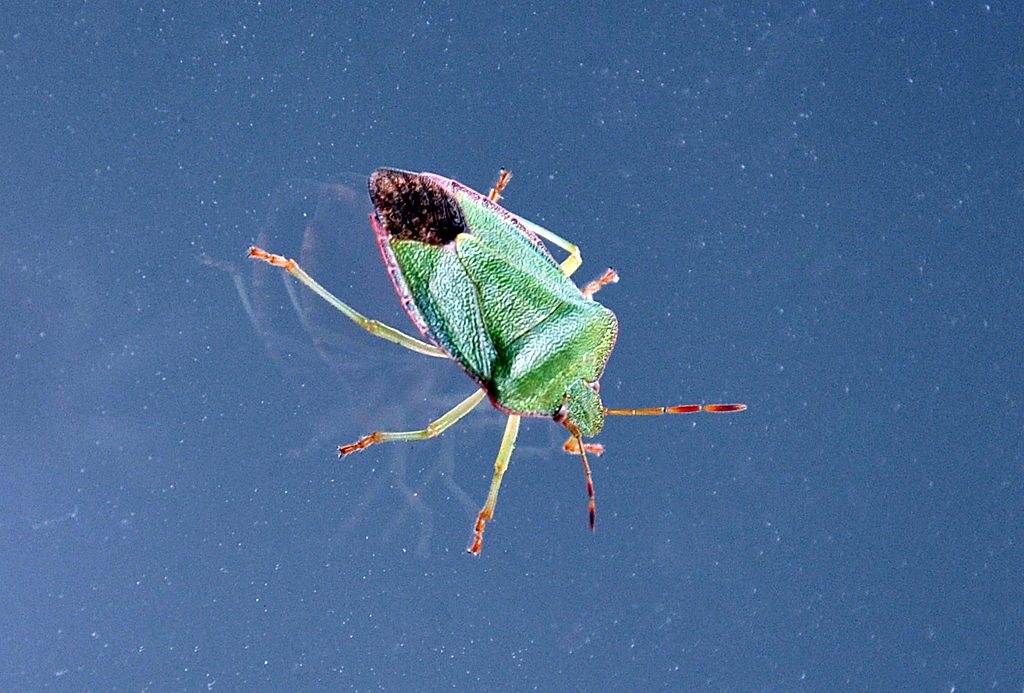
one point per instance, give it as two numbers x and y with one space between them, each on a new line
681 409
576 444
573 445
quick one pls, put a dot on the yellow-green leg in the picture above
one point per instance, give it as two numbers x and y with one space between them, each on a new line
571 263
508 442
377 329
435 428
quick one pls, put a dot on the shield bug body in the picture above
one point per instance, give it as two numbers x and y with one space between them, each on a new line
485 292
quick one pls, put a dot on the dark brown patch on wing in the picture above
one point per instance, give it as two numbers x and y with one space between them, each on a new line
413 207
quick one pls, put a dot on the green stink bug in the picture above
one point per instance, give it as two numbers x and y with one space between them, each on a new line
485 292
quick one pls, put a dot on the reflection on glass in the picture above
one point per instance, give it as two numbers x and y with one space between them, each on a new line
356 383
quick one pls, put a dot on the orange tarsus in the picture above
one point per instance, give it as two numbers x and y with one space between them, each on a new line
360 444
478 539
503 178
275 260
609 277
572 447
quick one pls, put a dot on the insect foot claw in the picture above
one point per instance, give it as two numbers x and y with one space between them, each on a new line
358 445
572 447
478 538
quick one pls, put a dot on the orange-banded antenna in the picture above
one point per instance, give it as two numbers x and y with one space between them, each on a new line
576 445
681 409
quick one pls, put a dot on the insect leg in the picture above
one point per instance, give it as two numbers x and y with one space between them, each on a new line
609 277
503 178
569 264
572 446
378 329
508 442
435 428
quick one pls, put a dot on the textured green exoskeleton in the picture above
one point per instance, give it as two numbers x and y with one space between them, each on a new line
485 292
483 287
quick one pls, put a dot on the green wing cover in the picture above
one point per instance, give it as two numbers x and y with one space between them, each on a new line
545 337
497 301
449 304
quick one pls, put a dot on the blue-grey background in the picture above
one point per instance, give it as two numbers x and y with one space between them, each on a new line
815 209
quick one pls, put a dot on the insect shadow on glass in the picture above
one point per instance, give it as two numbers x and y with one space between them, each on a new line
325 363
